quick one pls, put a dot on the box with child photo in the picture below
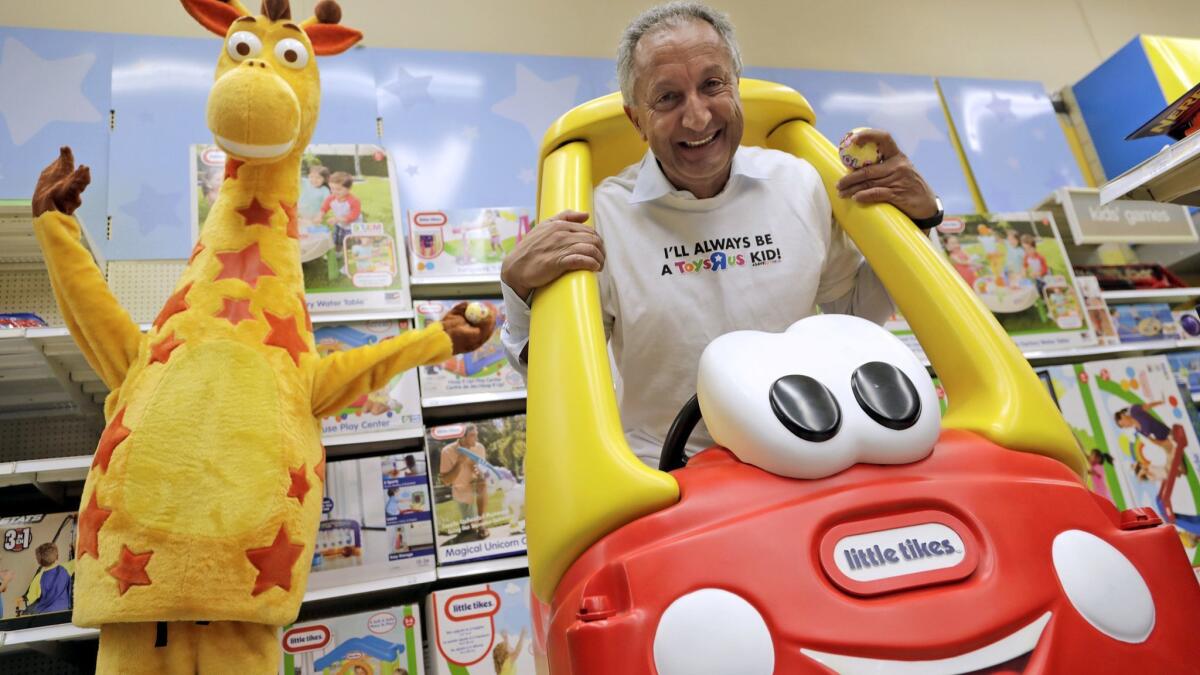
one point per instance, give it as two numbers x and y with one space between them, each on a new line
37 560
483 371
485 629
463 242
1016 264
381 642
478 478
344 219
393 411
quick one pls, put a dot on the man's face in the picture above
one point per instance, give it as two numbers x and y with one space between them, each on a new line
687 105
470 437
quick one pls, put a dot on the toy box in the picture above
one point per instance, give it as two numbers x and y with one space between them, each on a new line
1018 267
344 220
1144 322
383 414
481 630
375 520
1186 366
463 242
385 642
1188 322
1133 424
1098 314
478 477
483 371
37 560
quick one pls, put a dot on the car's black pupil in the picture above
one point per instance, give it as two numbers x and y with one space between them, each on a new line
886 394
243 48
806 408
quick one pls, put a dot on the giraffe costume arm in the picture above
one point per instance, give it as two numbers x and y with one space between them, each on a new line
107 336
344 376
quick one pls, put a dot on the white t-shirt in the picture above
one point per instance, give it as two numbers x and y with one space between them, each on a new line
681 271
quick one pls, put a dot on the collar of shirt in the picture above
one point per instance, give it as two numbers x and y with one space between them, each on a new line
652 183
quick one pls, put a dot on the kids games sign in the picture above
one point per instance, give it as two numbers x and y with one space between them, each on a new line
892 553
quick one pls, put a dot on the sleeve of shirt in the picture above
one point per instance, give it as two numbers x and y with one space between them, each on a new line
514 334
848 284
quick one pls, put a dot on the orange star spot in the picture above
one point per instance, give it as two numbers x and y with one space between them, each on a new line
175 304
131 569
285 335
275 562
319 469
256 213
235 311
114 433
231 167
246 264
160 352
195 252
300 485
91 519
293 225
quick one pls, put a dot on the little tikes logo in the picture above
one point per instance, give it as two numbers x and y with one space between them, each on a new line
951 226
305 639
429 218
472 606
892 553
448 432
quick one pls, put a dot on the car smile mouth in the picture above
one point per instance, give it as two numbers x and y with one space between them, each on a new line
702 142
1012 650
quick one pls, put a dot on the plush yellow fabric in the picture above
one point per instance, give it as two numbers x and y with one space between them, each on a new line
224 647
203 498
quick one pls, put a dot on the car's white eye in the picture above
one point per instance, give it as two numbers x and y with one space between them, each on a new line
1103 586
291 53
243 45
713 632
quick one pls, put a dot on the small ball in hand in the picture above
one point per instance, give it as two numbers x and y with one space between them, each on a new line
857 156
476 313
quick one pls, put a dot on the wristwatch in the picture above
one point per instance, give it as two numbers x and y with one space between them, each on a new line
931 221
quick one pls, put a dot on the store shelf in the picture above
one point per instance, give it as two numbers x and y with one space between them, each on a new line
363 444
485 286
372 586
14 640
43 372
57 470
1170 295
471 399
346 317
1172 175
483 567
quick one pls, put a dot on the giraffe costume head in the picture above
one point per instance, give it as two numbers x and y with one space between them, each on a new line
204 495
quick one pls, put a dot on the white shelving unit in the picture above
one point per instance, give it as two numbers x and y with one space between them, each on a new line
1169 295
26 638
1172 175
483 567
347 317
371 586
470 399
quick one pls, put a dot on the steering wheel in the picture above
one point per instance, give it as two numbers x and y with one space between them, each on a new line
674 452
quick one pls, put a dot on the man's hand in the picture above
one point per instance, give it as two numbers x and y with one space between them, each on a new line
894 180
60 186
553 248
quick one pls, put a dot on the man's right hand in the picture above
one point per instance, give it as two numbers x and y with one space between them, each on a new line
556 246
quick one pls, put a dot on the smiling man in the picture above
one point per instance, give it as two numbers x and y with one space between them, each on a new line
703 236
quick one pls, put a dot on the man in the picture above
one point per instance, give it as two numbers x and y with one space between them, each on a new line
702 237
458 469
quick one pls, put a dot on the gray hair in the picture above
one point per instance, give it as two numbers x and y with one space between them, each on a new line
668 16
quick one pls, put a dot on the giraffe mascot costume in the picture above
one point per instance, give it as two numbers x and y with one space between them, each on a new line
200 510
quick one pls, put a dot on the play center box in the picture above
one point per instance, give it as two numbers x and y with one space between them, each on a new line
385 642
391 412
463 242
484 629
483 371
477 471
37 559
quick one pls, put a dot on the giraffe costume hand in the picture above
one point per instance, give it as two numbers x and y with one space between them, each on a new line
467 335
60 186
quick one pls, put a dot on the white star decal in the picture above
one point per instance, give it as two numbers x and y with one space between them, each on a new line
471 133
527 176
906 117
38 91
536 103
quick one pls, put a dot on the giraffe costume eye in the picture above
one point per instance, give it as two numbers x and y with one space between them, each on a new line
243 45
291 53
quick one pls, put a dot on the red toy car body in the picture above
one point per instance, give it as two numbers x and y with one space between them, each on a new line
760 536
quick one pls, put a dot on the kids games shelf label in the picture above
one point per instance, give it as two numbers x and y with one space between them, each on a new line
478 478
384 413
485 370
384 642
37 559
482 629
463 242
345 220
1016 264
1134 426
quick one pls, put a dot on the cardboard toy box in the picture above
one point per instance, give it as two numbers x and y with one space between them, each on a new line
463 242
481 630
478 478
483 371
385 414
384 642
375 521
37 561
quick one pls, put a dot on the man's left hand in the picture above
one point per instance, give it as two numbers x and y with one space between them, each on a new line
894 180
